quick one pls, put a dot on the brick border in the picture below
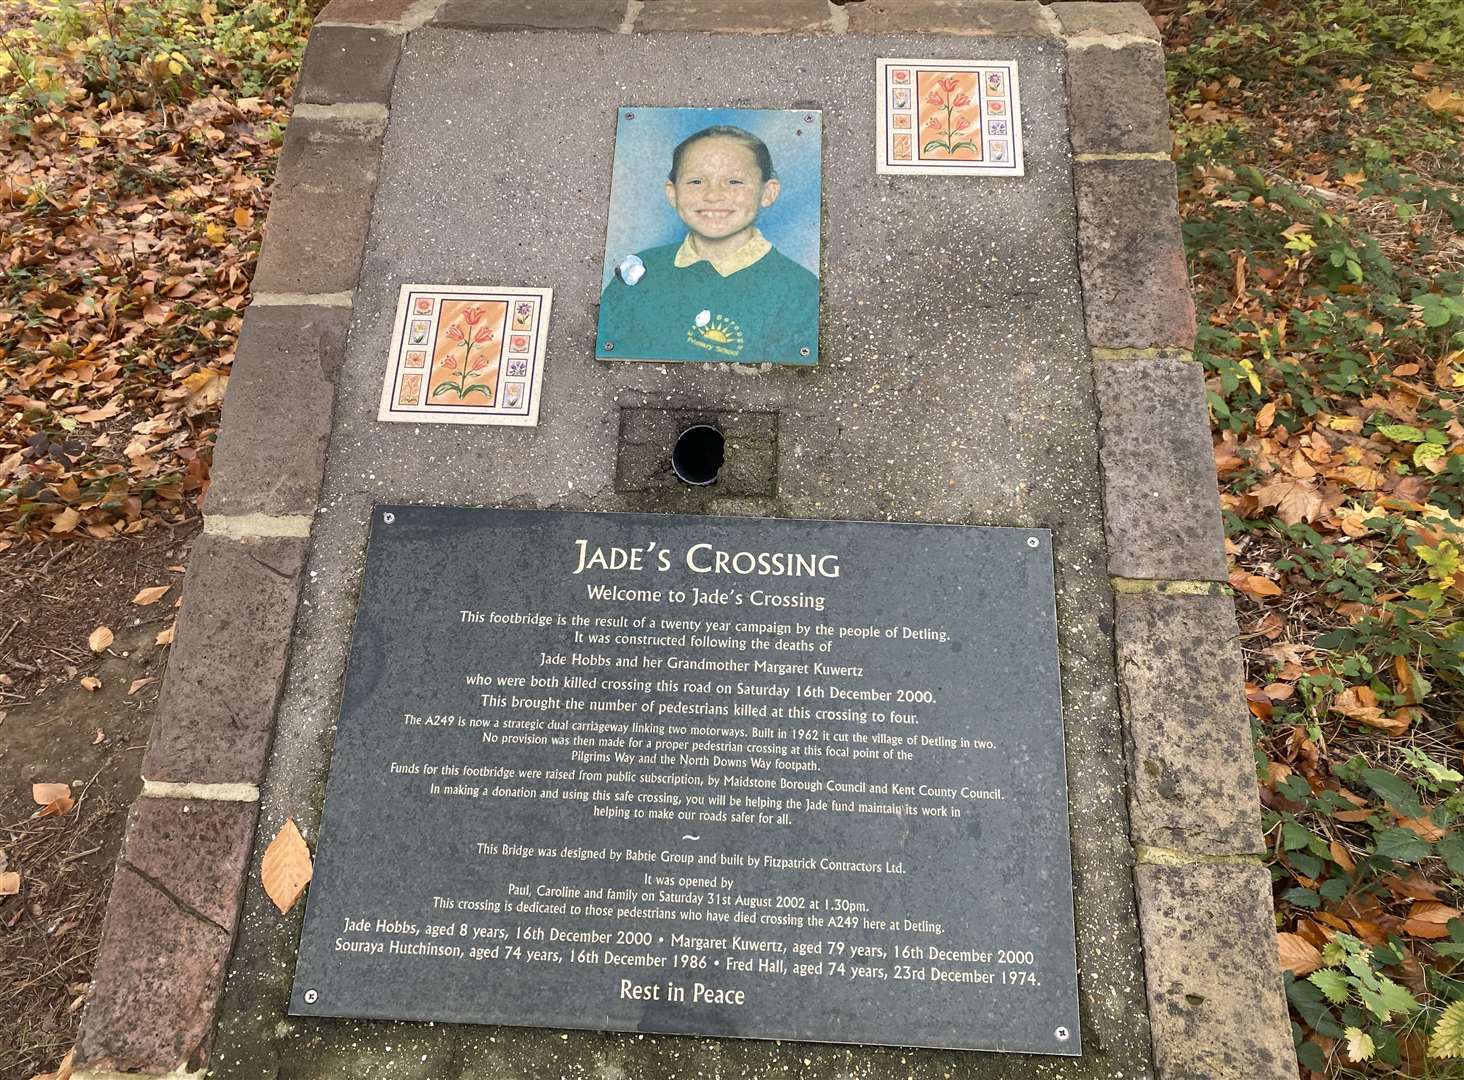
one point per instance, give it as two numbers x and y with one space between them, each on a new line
1214 988
1212 974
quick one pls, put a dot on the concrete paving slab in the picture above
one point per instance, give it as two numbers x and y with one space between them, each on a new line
955 386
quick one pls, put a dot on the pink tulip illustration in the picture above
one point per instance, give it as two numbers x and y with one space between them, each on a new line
953 126
467 334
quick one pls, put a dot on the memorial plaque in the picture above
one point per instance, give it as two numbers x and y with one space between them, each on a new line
776 779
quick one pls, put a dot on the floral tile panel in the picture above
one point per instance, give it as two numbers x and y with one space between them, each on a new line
466 354
940 117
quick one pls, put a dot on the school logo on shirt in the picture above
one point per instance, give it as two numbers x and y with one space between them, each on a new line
715 333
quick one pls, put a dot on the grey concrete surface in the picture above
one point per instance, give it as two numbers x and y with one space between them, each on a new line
954 386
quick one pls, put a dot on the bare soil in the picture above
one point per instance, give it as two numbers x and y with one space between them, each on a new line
55 730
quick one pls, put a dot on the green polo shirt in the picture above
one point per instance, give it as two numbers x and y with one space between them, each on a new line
764 312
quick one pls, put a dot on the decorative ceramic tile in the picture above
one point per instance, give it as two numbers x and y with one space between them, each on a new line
450 359
952 108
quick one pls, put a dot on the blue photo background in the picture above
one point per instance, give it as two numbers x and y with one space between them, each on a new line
641 218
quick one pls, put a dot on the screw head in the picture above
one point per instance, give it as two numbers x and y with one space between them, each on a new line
609 346
388 517
630 116
1063 1035
312 996
805 351
1032 542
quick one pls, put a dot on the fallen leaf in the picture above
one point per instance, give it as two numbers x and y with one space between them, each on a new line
1423 829
65 521
1341 856
100 639
44 794
101 737
57 807
1443 100
1298 956
243 217
1295 500
1254 584
286 868
1279 691
165 637
92 683
151 595
138 684
9 883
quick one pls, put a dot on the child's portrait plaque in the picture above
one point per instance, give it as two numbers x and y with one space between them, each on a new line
712 246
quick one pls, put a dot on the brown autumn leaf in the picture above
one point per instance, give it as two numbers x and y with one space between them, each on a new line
9 882
165 636
243 217
1254 584
151 595
57 807
1423 828
1266 417
1341 856
1443 100
286 867
44 794
1298 956
138 684
1279 691
1295 500
100 639
92 683
65 521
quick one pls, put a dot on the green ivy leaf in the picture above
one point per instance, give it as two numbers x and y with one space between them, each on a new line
1394 790
1332 983
1402 433
1402 845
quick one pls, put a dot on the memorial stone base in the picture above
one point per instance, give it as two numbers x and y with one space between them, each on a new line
1007 352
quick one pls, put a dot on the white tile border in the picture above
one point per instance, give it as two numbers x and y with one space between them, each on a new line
524 415
884 162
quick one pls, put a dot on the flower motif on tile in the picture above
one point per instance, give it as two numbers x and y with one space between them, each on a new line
518 343
948 128
901 75
420 329
423 306
902 97
994 85
518 365
997 127
902 147
902 120
411 390
996 107
415 358
523 313
462 375
513 395
998 149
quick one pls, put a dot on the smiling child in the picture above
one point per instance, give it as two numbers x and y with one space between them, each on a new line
724 293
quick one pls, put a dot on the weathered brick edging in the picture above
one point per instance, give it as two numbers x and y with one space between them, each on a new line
1214 990
1215 999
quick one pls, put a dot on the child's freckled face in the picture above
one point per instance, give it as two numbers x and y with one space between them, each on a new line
719 189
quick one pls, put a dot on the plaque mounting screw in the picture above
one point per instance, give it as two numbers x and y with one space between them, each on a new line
388 517
1062 1033
1032 541
311 997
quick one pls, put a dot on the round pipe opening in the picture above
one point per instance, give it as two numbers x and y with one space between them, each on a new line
698 455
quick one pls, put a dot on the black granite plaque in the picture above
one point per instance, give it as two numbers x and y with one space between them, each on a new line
722 776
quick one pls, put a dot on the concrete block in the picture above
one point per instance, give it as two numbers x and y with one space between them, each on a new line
1103 20
1131 256
1181 682
349 64
1215 998
216 709
1116 99
168 930
277 412
1161 503
320 210
605 15
1022 17
734 16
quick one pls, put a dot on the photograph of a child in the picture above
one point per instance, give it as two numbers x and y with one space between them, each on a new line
712 248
